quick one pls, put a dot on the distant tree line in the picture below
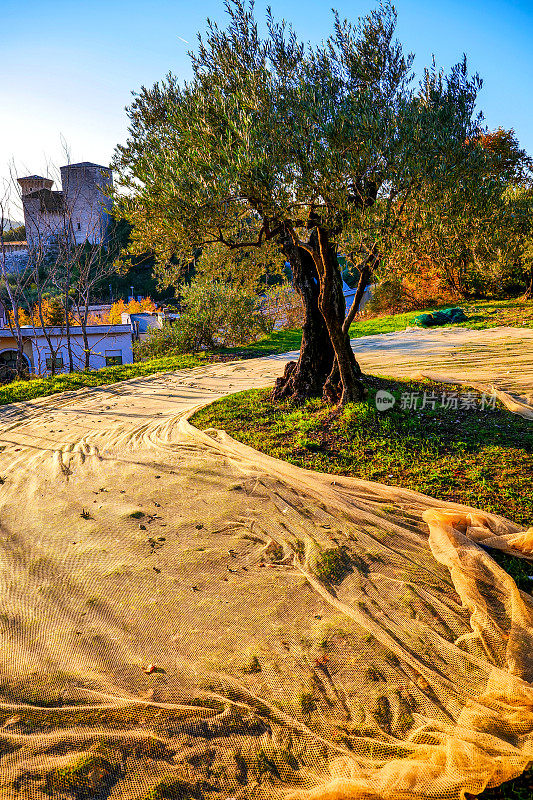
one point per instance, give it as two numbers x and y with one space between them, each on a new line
17 234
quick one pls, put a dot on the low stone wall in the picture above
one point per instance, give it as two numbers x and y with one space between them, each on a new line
15 260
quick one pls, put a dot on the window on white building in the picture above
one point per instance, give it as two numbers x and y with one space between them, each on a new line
57 361
113 358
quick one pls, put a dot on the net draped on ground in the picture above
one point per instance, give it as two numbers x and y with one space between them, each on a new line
494 359
179 610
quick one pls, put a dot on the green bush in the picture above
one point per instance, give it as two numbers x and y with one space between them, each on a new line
216 314
282 307
388 296
170 340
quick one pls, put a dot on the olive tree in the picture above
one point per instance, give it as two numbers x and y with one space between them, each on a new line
468 237
317 148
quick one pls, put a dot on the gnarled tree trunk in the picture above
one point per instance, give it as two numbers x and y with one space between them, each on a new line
306 377
327 365
344 383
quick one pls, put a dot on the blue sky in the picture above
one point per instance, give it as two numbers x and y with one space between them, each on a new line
68 68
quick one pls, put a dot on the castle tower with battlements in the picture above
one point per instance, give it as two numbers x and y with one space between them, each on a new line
79 212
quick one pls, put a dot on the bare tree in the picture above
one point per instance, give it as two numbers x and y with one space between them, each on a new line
68 259
15 280
82 267
43 253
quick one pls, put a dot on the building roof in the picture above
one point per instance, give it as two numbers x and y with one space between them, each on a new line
28 331
84 164
34 178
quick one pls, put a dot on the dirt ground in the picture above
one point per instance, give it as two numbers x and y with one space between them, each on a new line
183 617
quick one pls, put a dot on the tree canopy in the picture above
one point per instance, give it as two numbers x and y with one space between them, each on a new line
315 149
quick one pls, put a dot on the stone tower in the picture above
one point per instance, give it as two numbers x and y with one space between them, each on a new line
86 206
32 183
79 212
43 211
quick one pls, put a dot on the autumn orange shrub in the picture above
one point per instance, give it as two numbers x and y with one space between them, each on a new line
53 314
114 317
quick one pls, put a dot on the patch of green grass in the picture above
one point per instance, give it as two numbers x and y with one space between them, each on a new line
307 703
481 314
18 391
482 458
333 565
88 777
173 789
266 765
276 553
386 323
276 342
515 313
252 666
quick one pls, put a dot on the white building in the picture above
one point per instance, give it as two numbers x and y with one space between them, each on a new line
109 345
